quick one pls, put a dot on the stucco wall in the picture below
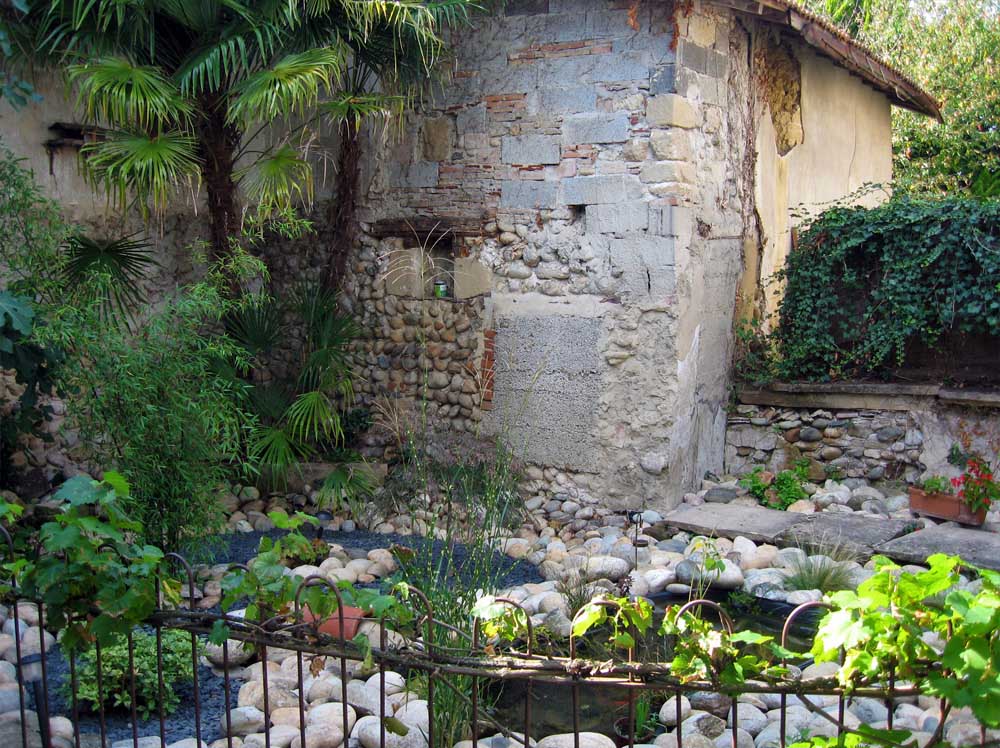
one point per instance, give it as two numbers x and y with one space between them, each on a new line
846 148
25 132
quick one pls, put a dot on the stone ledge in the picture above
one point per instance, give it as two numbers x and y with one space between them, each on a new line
977 547
755 523
865 396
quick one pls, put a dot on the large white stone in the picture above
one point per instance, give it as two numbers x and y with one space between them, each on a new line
668 712
368 732
607 567
587 740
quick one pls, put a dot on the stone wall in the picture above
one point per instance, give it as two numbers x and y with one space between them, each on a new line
872 431
871 444
584 154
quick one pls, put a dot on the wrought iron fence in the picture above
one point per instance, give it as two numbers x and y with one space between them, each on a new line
467 655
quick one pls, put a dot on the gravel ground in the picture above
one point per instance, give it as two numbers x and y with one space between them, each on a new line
241 547
236 547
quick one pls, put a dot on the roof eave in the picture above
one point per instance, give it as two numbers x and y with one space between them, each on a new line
843 50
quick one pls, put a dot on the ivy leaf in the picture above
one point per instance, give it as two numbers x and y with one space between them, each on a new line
750 637
588 617
117 483
219 632
78 490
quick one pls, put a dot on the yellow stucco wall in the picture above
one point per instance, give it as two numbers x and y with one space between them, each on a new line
846 145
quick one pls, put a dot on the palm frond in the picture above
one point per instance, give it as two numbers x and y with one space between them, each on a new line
107 271
258 325
292 85
313 417
328 369
313 302
205 68
346 486
451 12
354 108
276 452
150 166
270 401
277 180
116 91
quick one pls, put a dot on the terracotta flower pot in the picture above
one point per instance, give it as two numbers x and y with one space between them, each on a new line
331 626
621 734
944 506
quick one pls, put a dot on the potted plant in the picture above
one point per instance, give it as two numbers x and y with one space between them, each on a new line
965 499
644 724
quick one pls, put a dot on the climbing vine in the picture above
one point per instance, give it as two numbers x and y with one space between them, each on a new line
866 285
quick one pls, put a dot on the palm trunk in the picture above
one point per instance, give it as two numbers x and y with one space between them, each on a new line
218 142
343 226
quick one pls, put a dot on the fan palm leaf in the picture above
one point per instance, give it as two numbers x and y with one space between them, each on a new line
258 325
108 271
115 90
293 84
270 401
277 180
312 417
351 107
149 166
276 451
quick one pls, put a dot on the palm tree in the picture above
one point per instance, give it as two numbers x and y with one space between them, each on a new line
231 94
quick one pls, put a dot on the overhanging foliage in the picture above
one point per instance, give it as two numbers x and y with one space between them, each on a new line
864 285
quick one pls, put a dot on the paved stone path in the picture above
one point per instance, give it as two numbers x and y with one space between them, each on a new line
867 534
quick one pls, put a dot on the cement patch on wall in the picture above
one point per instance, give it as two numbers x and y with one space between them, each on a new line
547 383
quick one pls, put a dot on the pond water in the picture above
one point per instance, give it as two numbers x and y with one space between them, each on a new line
601 705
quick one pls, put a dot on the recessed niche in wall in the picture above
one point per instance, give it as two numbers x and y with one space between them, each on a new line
439 270
422 269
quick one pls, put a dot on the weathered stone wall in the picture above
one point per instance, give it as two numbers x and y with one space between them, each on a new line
892 442
870 444
584 153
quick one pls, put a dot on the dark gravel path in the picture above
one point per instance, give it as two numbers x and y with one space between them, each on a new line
237 547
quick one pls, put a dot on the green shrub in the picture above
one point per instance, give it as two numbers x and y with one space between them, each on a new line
783 491
303 416
116 682
155 405
865 285
936 484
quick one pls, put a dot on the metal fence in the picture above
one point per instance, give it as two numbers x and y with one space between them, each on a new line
467 663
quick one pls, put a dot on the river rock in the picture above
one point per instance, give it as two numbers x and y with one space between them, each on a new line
668 712
705 724
587 740
607 567
319 736
245 720
368 731
711 702
752 719
730 577
743 739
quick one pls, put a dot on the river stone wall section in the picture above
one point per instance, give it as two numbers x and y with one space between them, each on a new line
583 159
890 443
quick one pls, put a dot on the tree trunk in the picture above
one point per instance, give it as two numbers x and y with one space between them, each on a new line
218 142
343 226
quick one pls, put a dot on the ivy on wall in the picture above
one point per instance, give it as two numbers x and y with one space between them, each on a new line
865 285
